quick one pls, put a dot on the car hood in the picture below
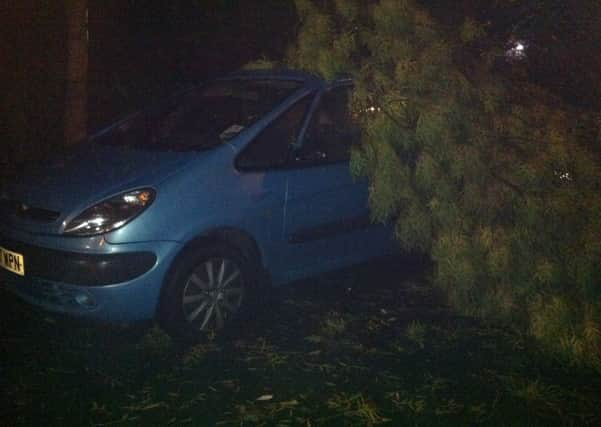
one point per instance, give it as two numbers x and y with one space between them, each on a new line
68 184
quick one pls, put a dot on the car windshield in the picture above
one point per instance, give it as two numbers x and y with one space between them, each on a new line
201 118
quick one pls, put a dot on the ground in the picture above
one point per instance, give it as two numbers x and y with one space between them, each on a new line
366 346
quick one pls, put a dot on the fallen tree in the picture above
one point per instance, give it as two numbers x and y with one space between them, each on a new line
492 175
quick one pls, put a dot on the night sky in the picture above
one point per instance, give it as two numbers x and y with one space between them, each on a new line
139 50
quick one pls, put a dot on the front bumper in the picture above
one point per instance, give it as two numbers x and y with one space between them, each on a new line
83 269
112 282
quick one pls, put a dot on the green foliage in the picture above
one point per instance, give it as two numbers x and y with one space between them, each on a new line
155 342
416 332
333 324
496 178
569 328
260 64
471 30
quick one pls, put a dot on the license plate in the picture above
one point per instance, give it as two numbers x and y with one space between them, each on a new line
12 261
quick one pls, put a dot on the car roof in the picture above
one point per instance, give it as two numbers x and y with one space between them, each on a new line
306 78
277 73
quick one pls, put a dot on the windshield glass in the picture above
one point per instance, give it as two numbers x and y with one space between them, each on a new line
202 118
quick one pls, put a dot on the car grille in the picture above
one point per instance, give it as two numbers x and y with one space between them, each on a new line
21 210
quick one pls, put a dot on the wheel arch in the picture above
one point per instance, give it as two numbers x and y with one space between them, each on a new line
232 237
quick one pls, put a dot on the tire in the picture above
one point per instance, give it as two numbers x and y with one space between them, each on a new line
210 291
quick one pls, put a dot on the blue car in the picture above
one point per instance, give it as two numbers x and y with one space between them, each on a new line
189 211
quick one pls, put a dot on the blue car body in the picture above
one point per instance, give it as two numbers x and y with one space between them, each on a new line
302 219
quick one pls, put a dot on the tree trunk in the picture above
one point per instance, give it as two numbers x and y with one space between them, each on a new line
76 93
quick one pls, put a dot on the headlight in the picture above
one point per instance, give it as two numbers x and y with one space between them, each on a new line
111 213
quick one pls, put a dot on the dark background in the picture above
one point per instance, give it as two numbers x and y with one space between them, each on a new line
140 50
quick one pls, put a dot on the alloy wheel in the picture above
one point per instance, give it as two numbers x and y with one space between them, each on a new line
212 294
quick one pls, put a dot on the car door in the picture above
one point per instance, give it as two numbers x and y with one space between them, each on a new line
327 223
259 189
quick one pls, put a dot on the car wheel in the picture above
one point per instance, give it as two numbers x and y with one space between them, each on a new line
210 290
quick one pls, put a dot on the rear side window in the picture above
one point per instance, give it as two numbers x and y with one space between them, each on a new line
272 146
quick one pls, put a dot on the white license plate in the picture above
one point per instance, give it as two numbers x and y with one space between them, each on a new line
12 261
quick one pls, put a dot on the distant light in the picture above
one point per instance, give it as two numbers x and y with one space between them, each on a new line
517 50
372 109
563 176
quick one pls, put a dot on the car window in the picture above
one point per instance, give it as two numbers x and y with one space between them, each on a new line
331 131
272 146
204 117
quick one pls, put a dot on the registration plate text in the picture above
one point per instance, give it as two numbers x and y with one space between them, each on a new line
12 261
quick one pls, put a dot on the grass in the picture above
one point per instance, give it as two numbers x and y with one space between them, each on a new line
380 352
